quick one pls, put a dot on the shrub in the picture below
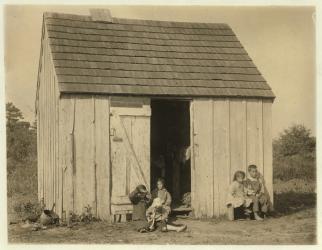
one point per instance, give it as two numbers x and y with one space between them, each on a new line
28 210
21 164
294 154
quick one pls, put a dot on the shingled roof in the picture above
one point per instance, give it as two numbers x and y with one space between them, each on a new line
143 57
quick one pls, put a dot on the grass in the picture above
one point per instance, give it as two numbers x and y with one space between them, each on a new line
291 202
294 221
296 228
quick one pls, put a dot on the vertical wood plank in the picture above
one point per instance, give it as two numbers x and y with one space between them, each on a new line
255 134
49 122
118 153
267 147
193 170
221 155
40 133
54 136
141 144
203 147
102 137
38 159
128 174
50 130
66 130
46 158
84 155
93 142
58 173
238 144
42 116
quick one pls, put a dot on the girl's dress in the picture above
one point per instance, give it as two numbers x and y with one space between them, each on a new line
166 199
236 195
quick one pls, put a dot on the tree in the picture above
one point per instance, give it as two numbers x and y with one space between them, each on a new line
294 154
295 140
13 114
21 138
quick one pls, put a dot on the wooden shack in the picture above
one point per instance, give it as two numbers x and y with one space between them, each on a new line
115 95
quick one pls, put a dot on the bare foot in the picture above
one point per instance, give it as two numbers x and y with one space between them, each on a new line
182 228
257 217
248 211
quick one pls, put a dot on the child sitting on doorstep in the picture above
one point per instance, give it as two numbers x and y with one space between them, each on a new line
162 193
157 215
158 212
236 196
255 190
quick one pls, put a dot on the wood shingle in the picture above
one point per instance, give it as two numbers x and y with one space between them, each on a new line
143 57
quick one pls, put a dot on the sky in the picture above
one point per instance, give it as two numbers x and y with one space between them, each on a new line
280 40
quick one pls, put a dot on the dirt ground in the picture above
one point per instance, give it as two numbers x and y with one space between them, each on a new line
295 228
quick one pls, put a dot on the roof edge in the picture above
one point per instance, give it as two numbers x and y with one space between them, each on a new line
78 17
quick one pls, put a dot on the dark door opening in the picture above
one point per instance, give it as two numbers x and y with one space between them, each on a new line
170 148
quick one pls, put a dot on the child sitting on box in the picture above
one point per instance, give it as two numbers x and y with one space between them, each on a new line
237 198
255 190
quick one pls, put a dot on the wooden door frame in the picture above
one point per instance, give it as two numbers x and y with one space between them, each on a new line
192 154
192 163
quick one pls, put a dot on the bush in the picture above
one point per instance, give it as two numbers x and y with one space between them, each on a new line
294 154
28 210
21 165
294 185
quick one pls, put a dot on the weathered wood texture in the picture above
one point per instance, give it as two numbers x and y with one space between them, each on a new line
85 154
130 149
47 124
267 147
203 145
237 123
228 135
221 151
153 58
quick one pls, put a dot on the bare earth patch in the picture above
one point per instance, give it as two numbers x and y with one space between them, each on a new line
296 228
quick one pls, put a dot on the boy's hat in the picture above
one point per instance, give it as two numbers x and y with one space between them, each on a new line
141 189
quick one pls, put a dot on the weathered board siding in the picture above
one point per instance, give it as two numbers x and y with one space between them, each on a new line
47 132
85 154
221 153
267 147
130 149
72 144
203 145
228 135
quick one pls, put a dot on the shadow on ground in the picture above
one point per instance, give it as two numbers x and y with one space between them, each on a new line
292 202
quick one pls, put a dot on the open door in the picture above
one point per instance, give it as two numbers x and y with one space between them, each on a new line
202 171
170 149
130 149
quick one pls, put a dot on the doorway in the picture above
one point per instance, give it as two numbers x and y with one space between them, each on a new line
170 148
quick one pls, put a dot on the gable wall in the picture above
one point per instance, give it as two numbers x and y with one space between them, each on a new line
47 128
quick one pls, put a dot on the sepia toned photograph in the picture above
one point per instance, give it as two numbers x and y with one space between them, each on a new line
183 125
